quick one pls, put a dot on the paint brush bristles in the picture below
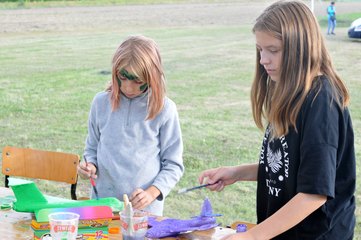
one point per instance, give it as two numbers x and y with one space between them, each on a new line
92 182
125 200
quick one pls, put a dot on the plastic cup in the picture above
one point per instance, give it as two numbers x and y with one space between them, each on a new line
63 225
134 227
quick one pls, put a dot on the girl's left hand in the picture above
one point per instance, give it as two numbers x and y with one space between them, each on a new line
141 199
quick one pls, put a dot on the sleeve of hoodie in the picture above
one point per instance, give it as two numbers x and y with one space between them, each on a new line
171 151
92 140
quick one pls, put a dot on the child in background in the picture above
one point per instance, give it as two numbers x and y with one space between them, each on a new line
331 18
306 173
134 143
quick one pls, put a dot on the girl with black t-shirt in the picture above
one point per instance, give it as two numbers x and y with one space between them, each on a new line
306 172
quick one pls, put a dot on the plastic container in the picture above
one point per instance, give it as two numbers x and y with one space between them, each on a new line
241 228
64 225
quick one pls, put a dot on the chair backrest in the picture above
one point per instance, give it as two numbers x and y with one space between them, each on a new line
40 164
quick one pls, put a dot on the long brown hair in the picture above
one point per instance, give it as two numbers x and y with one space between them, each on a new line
304 57
140 55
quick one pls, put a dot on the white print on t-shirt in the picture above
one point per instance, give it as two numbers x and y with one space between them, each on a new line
277 163
272 190
286 156
274 159
262 156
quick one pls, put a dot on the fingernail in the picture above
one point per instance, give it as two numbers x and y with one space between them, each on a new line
205 180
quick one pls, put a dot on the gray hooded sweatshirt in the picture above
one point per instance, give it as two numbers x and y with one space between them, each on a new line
131 152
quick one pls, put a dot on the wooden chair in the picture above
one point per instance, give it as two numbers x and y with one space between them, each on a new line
40 164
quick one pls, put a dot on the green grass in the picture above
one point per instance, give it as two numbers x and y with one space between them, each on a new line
48 80
343 20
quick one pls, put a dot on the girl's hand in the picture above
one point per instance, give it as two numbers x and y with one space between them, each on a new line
219 177
87 170
140 199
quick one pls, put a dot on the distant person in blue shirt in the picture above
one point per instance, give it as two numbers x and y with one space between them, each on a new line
134 143
331 17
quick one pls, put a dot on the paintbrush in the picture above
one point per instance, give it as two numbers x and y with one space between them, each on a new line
92 182
184 190
125 200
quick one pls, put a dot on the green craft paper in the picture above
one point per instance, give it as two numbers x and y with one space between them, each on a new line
29 199
26 190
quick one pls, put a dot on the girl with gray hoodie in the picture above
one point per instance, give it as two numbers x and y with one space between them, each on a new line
134 143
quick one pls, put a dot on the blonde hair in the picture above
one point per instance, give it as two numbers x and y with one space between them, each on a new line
304 57
140 55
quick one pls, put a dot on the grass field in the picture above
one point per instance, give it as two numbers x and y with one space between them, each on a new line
53 61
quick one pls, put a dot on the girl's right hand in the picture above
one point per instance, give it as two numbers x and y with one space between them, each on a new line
218 177
87 170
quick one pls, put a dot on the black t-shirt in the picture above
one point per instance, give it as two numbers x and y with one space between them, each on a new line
317 159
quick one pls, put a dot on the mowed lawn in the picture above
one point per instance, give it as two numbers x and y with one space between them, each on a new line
54 60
